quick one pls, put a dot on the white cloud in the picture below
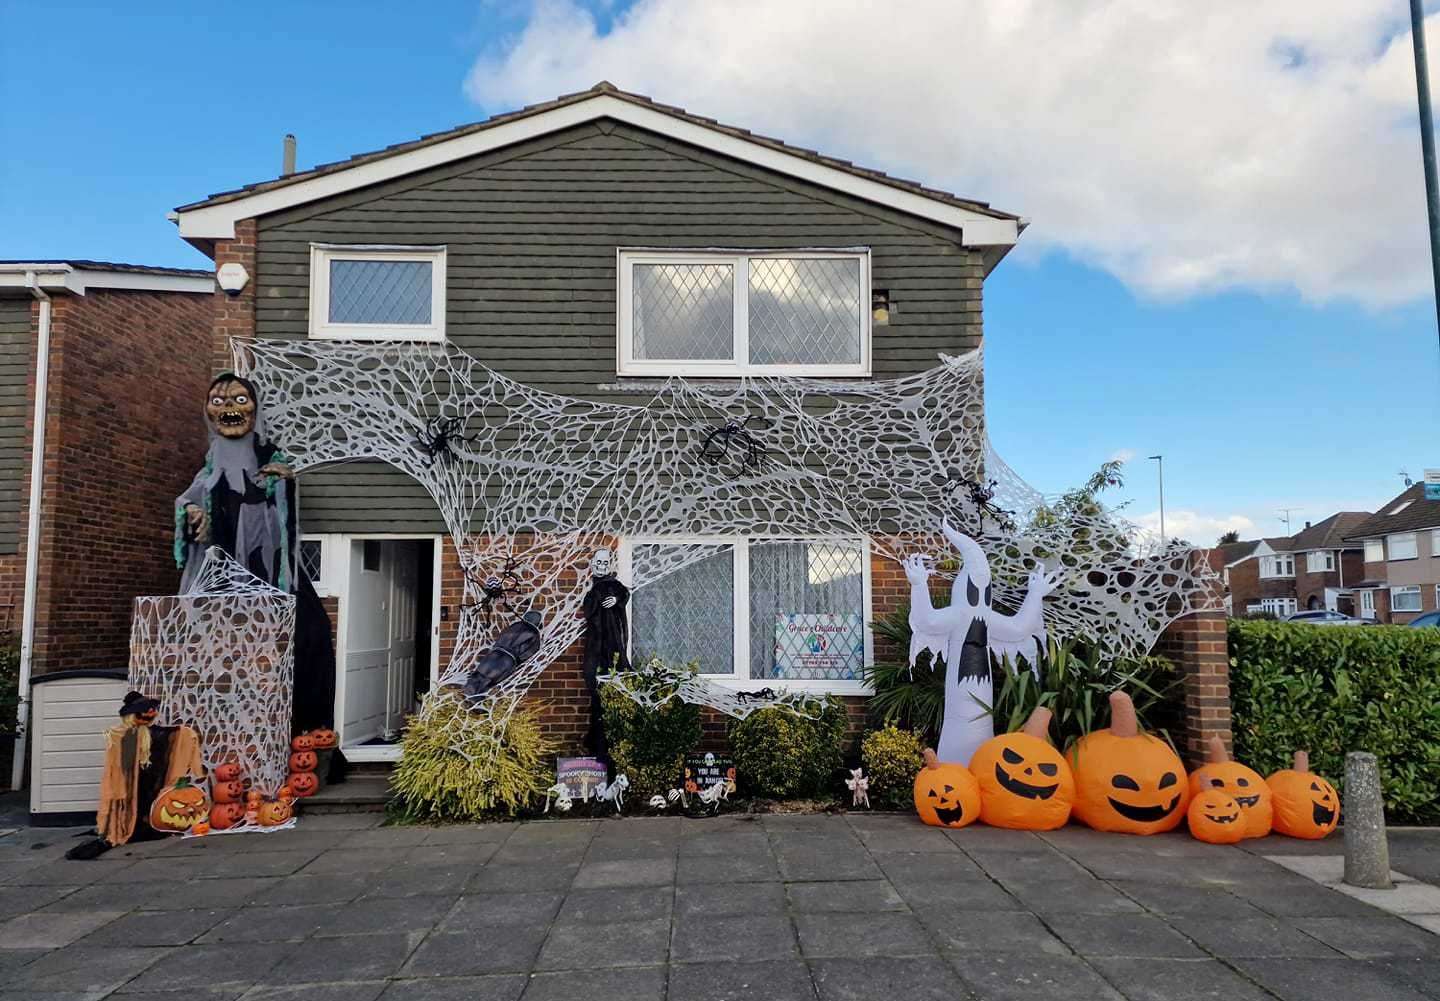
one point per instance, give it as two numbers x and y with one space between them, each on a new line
1198 527
1122 455
1184 147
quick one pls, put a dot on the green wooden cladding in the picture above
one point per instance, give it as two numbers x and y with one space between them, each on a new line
16 346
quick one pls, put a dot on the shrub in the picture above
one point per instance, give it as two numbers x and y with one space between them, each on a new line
1331 690
456 766
781 755
649 745
891 758
9 682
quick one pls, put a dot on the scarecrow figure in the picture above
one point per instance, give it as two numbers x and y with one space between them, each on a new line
141 760
245 501
606 632
965 634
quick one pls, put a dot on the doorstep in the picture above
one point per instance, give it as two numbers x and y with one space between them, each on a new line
361 792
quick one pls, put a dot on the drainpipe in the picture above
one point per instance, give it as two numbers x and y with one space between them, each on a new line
32 529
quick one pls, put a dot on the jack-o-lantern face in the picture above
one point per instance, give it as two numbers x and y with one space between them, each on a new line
179 807
1216 817
1127 781
228 792
303 783
274 812
1025 784
226 815
302 742
1241 783
324 738
1306 806
230 407
303 761
228 772
946 794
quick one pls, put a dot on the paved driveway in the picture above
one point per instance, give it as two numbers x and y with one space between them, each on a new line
859 907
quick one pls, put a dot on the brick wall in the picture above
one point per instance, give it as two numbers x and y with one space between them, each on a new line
234 316
1197 645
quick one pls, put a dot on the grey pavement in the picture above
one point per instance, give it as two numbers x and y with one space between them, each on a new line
818 907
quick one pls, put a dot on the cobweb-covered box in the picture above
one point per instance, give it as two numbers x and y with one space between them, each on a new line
219 659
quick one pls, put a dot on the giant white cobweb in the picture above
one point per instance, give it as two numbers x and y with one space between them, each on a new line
534 482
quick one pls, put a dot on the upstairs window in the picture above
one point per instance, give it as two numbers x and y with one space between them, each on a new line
728 313
1374 551
1402 546
1320 561
1279 565
377 293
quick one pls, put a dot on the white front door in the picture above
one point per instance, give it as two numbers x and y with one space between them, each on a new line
1367 604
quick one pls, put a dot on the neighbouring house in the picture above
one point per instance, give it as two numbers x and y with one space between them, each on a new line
1315 568
1401 546
528 240
1260 579
114 356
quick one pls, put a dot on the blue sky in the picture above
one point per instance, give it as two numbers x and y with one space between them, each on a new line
1261 394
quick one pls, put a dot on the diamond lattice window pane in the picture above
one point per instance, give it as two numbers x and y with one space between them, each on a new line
804 311
311 552
807 611
380 292
684 312
689 615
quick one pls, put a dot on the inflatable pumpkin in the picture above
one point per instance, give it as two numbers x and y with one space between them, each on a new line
1127 781
1215 817
1306 806
946 794
303 761
1025 784
301 784
1241 783
179 807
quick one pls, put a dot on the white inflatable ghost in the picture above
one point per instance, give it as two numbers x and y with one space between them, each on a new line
965 633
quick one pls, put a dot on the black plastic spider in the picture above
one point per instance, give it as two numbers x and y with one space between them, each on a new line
496 590
733 443
982 498
438 439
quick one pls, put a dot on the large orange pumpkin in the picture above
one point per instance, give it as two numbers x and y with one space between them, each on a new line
228 792
946 794
1306 806
179 807
226 815
1241 783
1025 784
1127 781
1215 817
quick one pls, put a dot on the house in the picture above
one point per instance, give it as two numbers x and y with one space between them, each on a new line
1259 578
1327 563
114 357
1401 545
527 240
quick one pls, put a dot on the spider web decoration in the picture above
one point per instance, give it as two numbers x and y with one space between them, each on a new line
652 685
218 658
546 479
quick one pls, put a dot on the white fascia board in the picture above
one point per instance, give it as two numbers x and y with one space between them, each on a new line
217 222
65 278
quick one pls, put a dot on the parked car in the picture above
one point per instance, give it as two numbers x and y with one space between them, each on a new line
1323 617
1429 620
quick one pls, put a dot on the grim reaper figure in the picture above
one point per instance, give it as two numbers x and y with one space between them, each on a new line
606 637
245 501
965 634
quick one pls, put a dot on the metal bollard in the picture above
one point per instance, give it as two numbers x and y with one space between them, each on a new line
1367 852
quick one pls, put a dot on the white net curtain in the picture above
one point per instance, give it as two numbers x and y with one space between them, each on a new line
763 495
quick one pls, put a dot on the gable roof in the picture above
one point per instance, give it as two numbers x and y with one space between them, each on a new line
76 276
1330 533
214 217
1233 552
1418 513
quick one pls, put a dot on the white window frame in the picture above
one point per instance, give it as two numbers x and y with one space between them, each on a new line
1280 607
1390 546
1277 565
739 364
328 584
1320 561
740 680
1374 550
1407 589
1435 542
321 329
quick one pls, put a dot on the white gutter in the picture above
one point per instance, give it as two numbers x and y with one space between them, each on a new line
32 529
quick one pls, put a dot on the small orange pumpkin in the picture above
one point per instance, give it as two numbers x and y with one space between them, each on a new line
1127 781
1241 783
179 807
303 761
201 829
228 792
228 772
274 812
224 816
324 738
1306 806
1025 784
1215 817
946 794
302 784
302 742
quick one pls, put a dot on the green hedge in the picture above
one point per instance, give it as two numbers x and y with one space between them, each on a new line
1334 689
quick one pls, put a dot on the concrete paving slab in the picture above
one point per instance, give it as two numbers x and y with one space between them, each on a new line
289 923
776 980
464 834
920 978
496 878
1326 980
993 932
1251 938
733 938
842 936
1380 937
498 987
459 954
757 867
722 899
626 873
1010 977
1178 980
1404 898
51 931
477 911
621 903
636 983
362 957
212 965
614 943
857 896
372 916
146 928
367 990
1115 935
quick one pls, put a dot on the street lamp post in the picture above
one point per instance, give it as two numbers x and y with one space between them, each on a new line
1427 143
1160 467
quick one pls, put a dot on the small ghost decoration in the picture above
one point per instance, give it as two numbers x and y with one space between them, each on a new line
859 787
965 634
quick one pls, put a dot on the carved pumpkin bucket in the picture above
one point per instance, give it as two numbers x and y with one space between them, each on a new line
1127 781
1241 783
302 742
1306 806
228 792
303 761
228 772
226 815
274 812
946 794
303 783
1215 817
1025 783
179 807
324 738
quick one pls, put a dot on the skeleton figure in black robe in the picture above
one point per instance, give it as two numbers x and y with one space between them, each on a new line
245 501
606 634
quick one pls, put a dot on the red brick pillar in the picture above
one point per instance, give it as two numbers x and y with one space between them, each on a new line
234 314
1197 645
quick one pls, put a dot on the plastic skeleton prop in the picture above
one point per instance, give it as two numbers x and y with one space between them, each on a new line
561 792
965 634
859 786
614 792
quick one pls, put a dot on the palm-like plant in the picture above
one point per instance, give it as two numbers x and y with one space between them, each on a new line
910 698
